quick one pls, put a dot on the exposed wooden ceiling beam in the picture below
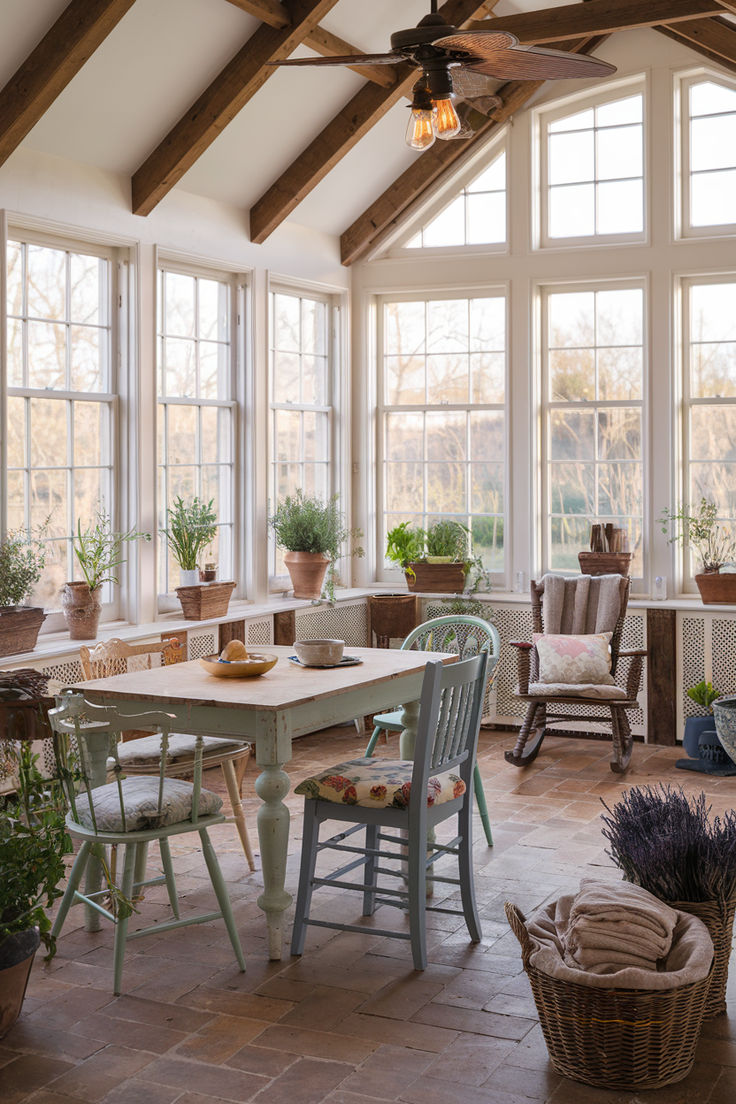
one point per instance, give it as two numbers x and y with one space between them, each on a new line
220 103
339 136
597 17
324 42
390 208
47 70
713 38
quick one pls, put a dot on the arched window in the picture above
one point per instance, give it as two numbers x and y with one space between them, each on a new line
707 155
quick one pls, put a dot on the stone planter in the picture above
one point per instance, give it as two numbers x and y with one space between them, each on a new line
16 958
307 571
19 628
81 608
693 728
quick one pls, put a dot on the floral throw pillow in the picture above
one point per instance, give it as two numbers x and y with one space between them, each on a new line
573 660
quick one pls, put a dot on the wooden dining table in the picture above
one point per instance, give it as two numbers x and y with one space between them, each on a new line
269 711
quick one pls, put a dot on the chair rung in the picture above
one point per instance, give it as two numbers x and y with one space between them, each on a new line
361 886
362 929
169 925
349 866
83 899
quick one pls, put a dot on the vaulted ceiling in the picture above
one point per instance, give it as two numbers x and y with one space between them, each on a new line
181 93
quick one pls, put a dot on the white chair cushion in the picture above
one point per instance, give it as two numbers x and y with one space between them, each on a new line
140 799
377 783
181 746
576 690
571 659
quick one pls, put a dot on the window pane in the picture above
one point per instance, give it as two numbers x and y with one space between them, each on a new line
572 211
288 435
214 310
572 488
446 489
405 328
180 364
487 324
47 355
619 434
486 218
405 379
315 436
403 486
91 433
713 142
487 372
179 312
572 435
571 157
571 375
712 432
87 365
581 120
619 316
314 327
404 437
46 282
447 328
48 433
16 433
447 379
712 312
713 369
487 436
447 228
567 536
619 153
314 380
446 436
571 319
629 110
620 373
182 439
713 198
620 207
286 375
87 289
707 98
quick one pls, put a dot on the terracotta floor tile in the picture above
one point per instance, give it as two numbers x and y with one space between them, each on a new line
229 1084
306 1082
388 1072
479 1023
315 1044
93 1079
136 1092
220 1038
155 1038
25 1074
381 1030
249 1005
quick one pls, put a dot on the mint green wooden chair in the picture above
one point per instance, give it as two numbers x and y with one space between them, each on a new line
413 796
464 636
129 813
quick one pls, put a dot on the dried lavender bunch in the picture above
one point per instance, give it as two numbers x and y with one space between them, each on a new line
667 842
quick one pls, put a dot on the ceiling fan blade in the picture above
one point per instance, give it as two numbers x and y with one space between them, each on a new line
345 59
468 84
480 44
536 63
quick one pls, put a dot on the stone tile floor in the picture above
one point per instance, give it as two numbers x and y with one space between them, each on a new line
350 1022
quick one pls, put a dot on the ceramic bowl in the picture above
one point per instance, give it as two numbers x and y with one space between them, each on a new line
239 668
724 712
319 653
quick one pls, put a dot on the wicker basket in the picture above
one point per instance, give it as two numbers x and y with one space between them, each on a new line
718 917
614 1038
205 600
604 563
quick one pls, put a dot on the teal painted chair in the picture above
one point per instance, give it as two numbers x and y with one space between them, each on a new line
464 636
129 813
413 796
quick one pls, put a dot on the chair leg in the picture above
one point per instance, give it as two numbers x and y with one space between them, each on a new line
223 900
465 868
369 895
169 873
534 720
236 804
121 925
417 891
480 801
623 741
75 877
371 746
310 839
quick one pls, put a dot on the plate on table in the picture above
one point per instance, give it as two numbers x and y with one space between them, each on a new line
346 661
255 664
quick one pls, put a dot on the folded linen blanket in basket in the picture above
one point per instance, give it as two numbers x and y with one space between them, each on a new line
612 926
689 958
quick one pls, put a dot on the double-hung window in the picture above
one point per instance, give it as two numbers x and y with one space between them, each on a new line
593 412
61 398
303 382
197 354
709 393
442 417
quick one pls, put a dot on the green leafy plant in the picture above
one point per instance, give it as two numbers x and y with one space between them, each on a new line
405 544
448 538
700 527
704 693
33 843
192 526
22 560
99 550
303 523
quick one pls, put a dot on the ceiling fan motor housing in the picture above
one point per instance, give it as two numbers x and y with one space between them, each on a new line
425 33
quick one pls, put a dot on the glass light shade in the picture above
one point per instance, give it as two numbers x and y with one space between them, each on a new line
420 132
446 120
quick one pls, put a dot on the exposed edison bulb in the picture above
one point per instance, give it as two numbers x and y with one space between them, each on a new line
420 132
446 121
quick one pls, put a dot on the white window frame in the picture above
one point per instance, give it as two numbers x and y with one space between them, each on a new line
122 508
393 575
570 105
336 407
683 82
238 281
428 209
542 291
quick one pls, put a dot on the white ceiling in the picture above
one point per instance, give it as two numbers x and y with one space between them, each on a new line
163 53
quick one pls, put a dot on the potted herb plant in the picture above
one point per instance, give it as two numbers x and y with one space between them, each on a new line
436 560
667 842
22 560
192 526
33 843
312 533
703 694
714 545
99 552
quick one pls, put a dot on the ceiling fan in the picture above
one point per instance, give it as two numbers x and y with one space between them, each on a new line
462 65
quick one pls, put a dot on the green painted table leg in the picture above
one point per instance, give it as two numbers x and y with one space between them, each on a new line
272 785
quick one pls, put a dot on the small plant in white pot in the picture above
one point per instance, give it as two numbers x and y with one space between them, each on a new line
99 552
192 526
22 560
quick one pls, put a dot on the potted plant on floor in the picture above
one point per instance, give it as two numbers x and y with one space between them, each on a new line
313 534
714 545
703 694
99 552
33 843
22 559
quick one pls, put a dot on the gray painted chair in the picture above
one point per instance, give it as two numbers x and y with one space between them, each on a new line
413 796
464 636
129 813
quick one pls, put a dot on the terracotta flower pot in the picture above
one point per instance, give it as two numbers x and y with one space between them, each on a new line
19 628
717 588
81 608
307 571
16 959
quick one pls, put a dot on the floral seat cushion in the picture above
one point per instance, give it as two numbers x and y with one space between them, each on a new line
377 783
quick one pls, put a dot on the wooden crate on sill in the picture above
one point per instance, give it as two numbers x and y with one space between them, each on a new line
205 600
